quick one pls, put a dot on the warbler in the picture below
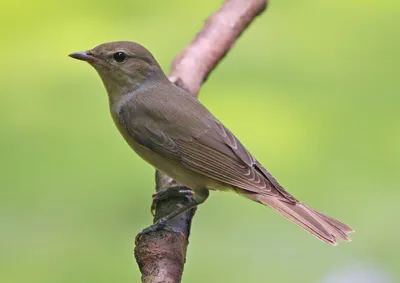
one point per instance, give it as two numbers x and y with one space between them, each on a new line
175 133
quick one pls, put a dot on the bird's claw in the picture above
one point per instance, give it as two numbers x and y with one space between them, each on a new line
164 194
160 225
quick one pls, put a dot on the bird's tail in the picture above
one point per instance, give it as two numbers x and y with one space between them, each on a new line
325 228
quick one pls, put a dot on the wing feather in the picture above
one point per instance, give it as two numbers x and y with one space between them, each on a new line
202 144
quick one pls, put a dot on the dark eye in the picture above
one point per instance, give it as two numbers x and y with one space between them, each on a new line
119 56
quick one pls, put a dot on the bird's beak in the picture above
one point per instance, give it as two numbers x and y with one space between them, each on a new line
84 56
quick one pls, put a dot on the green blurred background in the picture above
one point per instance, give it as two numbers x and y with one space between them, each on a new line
312 89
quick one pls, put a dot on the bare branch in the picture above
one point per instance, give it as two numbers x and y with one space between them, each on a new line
193 65
161 255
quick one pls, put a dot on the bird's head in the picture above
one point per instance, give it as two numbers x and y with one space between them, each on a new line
123 66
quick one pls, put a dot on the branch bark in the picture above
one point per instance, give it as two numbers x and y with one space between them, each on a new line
161 255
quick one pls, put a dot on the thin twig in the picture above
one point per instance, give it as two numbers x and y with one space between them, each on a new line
161 255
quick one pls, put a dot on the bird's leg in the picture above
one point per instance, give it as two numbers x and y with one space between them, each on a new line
197 197
174 191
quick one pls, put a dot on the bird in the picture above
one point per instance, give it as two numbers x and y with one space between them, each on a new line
174 132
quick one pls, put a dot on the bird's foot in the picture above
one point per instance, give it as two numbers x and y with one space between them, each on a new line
160 225
175 191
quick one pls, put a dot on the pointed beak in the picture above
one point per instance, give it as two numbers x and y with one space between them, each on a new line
83 56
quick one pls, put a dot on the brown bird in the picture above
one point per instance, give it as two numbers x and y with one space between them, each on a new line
175 133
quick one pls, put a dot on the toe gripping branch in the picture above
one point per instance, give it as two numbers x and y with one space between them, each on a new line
173 207
161 248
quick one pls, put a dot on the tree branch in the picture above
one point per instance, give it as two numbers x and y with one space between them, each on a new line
161 255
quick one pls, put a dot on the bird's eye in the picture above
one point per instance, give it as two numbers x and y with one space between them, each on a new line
119 57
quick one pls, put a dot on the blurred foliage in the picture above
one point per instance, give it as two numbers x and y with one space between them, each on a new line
312 89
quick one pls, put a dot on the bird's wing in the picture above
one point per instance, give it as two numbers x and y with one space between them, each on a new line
248 173
202 145
197 140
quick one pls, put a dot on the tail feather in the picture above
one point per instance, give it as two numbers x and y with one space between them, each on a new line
336 223
325 228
